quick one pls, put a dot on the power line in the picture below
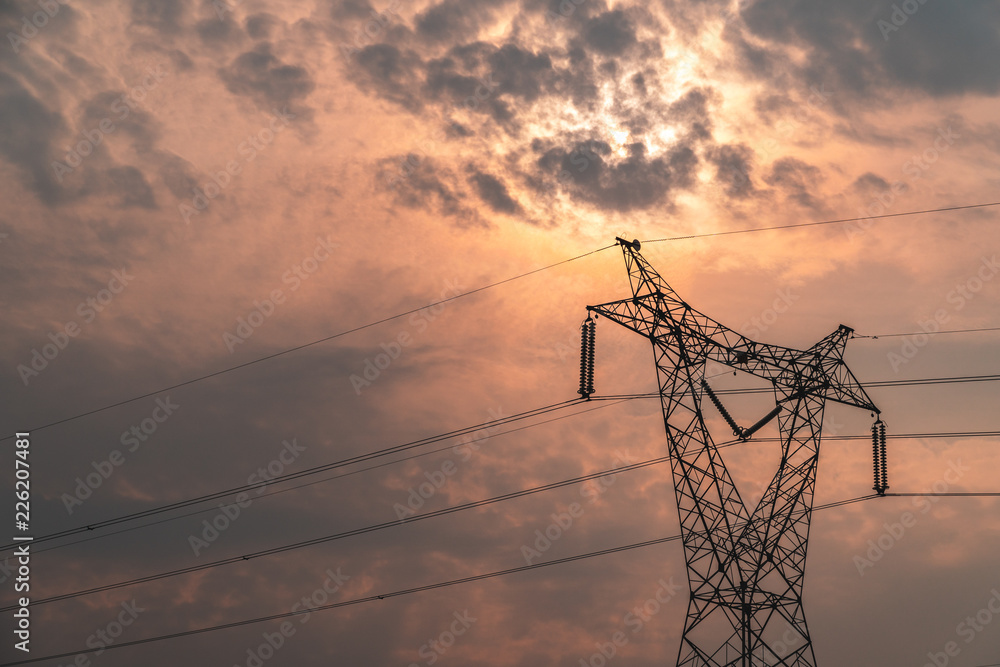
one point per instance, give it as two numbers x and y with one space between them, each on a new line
820 222
960 494
349 533
310 344
911 382
301 473
327 479
470 429
398 593
926 333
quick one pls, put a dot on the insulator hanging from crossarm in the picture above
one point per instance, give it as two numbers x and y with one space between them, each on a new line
721 408
588 334
879 462
746 433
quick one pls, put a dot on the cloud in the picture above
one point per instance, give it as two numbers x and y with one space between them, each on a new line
941 49
264 78
733 163
798 180
455 20
611 33
29 127
164 17
420 182
492 191
590 172
390 73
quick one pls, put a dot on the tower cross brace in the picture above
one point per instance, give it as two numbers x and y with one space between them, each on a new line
745 566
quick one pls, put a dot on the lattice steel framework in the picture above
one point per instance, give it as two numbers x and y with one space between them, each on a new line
745 567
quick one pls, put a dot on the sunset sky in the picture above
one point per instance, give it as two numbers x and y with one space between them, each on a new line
198 185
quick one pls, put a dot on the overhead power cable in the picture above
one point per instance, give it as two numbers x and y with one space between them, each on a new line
309 344
957 494
301 473
397 593
275 492
349 533
924 333
819 222
470 429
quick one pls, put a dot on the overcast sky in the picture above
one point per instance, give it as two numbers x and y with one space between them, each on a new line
190 186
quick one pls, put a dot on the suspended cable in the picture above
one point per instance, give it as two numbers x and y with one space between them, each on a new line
349 533
397 593
275 492
925 333
960 494
820 222
309 344
301 473
537 411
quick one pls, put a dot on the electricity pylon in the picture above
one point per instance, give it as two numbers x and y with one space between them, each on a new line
745 567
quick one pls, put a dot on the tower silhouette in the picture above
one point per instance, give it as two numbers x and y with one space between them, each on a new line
745 566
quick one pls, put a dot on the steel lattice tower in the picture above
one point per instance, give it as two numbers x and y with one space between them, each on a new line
746 567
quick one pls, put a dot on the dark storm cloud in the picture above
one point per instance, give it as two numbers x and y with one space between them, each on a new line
165 16
692 109
178 175
419 182
797 180
502 87
455 20
871 49
492 191
591 173
264 78
25 142
611 33
391 74
262 25
868 184
733 164
179 61
132 186
521 73
220 32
